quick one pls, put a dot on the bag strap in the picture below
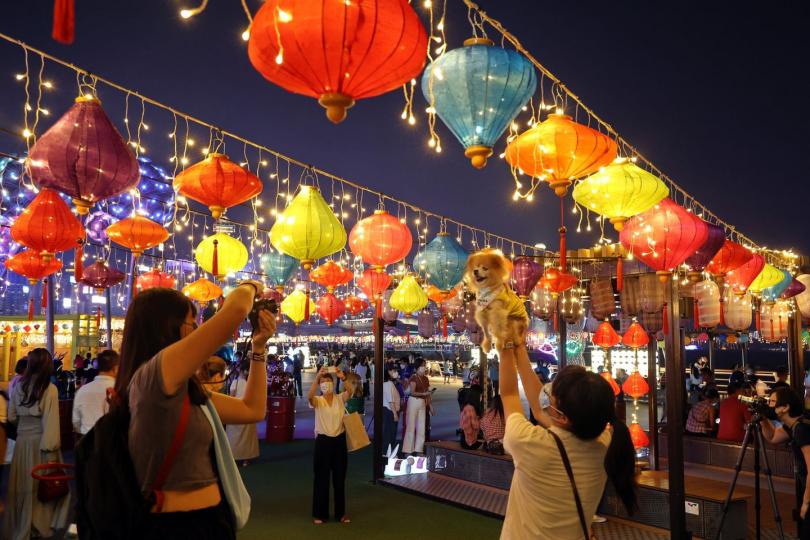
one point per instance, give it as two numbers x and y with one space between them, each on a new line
171 455
567 464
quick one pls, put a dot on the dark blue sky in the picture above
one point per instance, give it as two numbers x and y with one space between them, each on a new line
715 93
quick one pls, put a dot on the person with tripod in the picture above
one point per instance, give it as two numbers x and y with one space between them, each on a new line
787 407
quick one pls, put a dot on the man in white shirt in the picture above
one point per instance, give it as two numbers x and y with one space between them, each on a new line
90 402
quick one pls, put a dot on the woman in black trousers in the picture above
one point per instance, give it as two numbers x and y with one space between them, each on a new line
391 407
330 456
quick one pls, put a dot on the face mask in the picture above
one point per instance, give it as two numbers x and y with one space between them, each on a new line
421 371
326 387
394 375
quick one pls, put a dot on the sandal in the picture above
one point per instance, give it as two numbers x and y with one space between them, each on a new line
345 519
317 522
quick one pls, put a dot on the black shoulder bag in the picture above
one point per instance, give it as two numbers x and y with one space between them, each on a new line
567 463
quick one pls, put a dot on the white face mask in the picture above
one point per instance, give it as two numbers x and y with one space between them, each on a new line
326 388
421 370
394 375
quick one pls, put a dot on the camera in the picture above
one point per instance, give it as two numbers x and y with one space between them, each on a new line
260 304
756 404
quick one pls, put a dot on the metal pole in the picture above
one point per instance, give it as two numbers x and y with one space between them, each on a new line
711 351
652 380
796 354
50 344
377 462
675 408
562 329
108 315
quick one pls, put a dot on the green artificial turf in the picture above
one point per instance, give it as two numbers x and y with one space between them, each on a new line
280 485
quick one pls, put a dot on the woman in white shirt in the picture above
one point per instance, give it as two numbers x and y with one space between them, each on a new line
330 456
391 404
580 407
243 438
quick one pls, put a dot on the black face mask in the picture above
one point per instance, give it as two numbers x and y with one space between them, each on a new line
770 413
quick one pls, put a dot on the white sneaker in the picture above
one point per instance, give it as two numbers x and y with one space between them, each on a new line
598 519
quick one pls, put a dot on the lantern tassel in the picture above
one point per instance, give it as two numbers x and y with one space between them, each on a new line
215 263
64 21
98 317
666 320
444 326
31 308
722 313
78 264
306 306
44 294
758 319
562 236
555 317
619 274
781 329
696 313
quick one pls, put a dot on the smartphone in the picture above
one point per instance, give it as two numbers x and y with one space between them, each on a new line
331 369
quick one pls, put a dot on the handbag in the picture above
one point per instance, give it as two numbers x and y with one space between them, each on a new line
567 464
52 485
356 435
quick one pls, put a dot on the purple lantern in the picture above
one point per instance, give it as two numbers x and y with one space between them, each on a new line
526 272
459 325
389 314
96 225
101 276
795 287
706 252
426 324
83 156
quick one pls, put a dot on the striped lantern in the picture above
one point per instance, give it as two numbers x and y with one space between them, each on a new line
542 304
803 298
652 321
737 311
426 324
603 304
630 296
774 320
707 296
651 293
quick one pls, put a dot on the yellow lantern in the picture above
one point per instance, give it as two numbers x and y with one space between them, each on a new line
308 228
769 277
408 297
220 255
202 290
297 306
620 191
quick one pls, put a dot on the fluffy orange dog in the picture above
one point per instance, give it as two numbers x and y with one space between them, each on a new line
498 310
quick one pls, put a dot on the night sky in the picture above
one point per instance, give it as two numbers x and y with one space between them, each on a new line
714 93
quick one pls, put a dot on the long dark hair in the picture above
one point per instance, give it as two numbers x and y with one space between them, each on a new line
37 376
588 402
497 405
153 322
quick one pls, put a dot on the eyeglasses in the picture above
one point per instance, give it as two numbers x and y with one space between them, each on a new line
559 414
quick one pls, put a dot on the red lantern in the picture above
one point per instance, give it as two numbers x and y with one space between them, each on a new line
330 308
612 382
47 225
636 337
664 236
155 278
743 276
32 265
638 436
557 281
331 274
605 336
355 304
374 283
380 239
338 52
730 257
218 183
635 386
137 233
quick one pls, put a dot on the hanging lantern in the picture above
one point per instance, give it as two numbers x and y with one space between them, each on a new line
218 183
768 277
636 386
526 273
619 191
389 314
603 303
542 303
137 233
477 90
612 382
444 261
697 262
664 236
83 156
220 255
355 305
770 294
556 281
737 311
795 288
635 337
426 324
803 298
100 276
96 226
630 296
774 321
47 225
155 278
638 436
330 275
741 278
652 321
338 52
572 309
32 265
380 239
278 267
330 308
651 292
707 296
439 296
308 228
730 257
459 325
202 291
408 297
373 284
558 150
297 306
605 336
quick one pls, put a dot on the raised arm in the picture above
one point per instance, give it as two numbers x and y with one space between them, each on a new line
510 395
181 360
531 385
313 389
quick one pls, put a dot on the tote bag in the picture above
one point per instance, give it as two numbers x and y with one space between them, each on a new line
356 436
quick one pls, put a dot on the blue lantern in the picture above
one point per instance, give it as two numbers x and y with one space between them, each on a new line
770 294
477 90
278 267
444 261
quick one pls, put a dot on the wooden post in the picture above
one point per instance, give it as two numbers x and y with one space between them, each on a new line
796 353
377 462
710 345
108 315
652 380
562 357
49 312
675 408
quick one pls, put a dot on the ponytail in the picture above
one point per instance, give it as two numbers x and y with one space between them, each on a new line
620 464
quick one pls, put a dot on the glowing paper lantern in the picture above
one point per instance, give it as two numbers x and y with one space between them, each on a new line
155 278
730 257
638 436
707 296
603 303
380 239
630 297
83 156
803 298
330 275
308 228
697 262
635 337
337 52
636 386
96 226
664 236
605 336
444 261
278 267
737 311
796 287
408 296
202 290
619 191
741 278
220 255
218 183
297 306
32 265
612 382
542 303
768 277
526 273
556 281
558 150
389 313
47 225
770 294
355 305
426 324
439 296
100 276
477 90
774 321
330 308
651 293
137 233
374 283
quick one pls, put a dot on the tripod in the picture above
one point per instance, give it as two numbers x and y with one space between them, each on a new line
753 431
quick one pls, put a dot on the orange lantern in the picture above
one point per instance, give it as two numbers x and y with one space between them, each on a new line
638 436
202 290
557 281
330 308
338 52
439 296
354 304
559 150
636 386
605 336
331 274
743 276
155 278
380 239
730 257
612 382
35 267
635 337
218 183
137 233
47 225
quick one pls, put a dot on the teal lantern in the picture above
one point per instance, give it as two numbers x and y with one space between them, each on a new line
477 90
278 267
770 294
443 260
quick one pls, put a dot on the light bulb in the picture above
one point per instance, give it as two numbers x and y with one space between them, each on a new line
246 35
186 13
279 58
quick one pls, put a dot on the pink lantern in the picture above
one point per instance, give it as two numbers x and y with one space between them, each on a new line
526 272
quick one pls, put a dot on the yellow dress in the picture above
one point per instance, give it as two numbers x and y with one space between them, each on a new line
514 304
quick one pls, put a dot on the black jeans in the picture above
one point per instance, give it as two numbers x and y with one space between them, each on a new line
389 429
298 386
214 523
366 389
330 459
